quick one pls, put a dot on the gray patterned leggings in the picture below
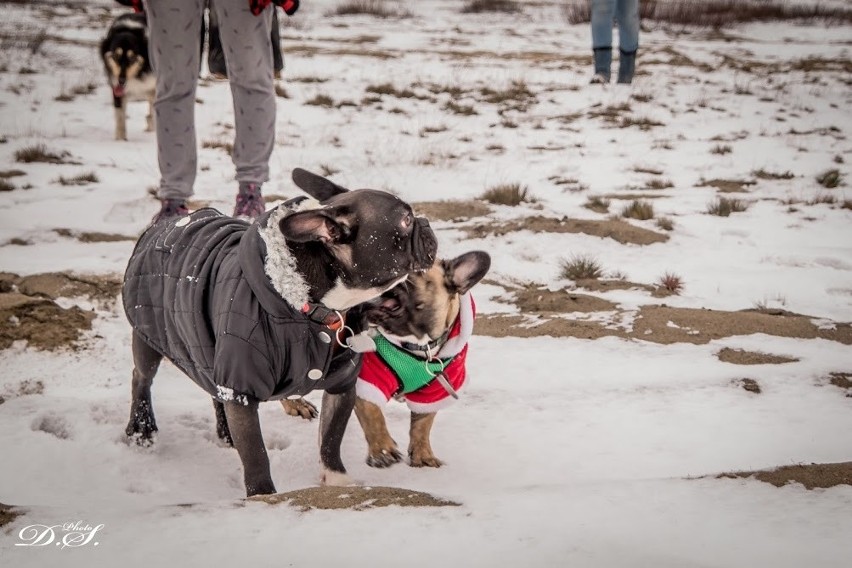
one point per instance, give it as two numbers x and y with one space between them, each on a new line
174 27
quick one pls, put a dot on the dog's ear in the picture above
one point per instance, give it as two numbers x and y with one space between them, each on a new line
464 271
312 225
316 186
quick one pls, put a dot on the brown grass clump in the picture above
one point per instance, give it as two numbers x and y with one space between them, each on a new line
764 174
829 179
665 224
639 209
38 153
597 204
226 146
82 179
721 149
671 282
480 6
581 267
723 206
374 8
321 100
659 183
823 199
511 194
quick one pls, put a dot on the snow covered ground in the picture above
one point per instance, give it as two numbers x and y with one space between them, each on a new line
562 450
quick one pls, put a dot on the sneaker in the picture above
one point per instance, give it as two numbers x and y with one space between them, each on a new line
249 202
599 79
170 208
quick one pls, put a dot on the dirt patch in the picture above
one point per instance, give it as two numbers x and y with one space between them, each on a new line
8 514
66 285
615 229
748 384
40 322
355 498
93 237
665 325
451 210
843 381
728 185
742 357
815 475
541 300
596 285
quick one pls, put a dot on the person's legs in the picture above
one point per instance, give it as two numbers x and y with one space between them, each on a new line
627 14
174 29
277 57
248 55
215 55
603 12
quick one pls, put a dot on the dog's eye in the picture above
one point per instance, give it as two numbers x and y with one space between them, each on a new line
406 221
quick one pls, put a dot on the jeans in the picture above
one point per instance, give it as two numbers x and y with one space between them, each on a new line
626 13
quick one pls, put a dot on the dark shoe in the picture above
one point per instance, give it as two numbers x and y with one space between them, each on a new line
599 79
170 208
626 66
249 201
603 65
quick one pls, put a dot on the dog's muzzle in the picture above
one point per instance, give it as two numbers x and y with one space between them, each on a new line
424 244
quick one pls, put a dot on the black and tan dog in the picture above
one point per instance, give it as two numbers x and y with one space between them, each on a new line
124 52
253 312
418 354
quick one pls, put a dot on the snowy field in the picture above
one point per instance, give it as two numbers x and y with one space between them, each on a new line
586 437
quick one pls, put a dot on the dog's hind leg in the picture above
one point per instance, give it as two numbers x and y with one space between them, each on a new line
120 104
146 360
335 412
244 426
419 446
222 429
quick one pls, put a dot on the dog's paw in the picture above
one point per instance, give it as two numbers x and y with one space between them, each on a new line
423 459
335 479
300 407
141 427
384 458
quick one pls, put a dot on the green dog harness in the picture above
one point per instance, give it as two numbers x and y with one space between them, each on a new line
414 373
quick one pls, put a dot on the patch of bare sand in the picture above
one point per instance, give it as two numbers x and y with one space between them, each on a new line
451 210
355 498
41 322
66 285
541 300
616 229
28 311
815 475
666 325
742 357
93 237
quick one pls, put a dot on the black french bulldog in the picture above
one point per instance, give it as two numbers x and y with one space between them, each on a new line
256 312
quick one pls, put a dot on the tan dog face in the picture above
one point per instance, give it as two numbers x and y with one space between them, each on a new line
423 308
123 66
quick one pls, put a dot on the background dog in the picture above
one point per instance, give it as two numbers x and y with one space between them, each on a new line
419 354
250 312
124 52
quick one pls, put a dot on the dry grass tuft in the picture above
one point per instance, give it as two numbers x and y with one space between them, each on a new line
321 100
39 153
480 6
659 183
82 179
671 282
228 147
328 171
639 209
464 110
665 224
597 204
281 92
6 186
723 206
721 149
511 194
829 179
823 199
581 267
374 8
764 174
